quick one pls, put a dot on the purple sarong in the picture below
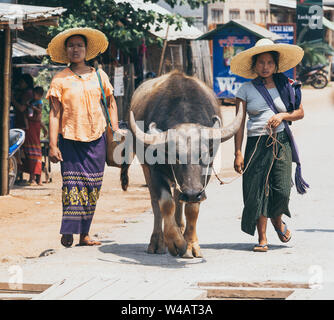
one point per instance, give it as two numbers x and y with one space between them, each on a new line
82 171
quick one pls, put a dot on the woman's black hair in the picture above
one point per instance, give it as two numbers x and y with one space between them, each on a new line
274 54
78 35
28 79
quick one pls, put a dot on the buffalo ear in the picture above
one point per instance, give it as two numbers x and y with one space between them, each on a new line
217 123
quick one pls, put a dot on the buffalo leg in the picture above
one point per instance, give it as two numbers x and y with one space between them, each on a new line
157 244
179 211
190 235
172 234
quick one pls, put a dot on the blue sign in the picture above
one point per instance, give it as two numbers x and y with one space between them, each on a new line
225 46
287 32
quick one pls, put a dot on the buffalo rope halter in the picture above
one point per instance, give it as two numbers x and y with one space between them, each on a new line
178 187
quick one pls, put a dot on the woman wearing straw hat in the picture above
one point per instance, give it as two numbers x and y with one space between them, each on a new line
77 119
271 101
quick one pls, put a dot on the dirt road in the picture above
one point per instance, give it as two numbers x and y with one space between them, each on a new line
30 216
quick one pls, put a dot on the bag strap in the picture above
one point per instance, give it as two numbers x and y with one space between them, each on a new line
104 100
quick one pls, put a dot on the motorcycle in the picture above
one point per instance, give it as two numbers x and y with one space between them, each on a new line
16 139
316 76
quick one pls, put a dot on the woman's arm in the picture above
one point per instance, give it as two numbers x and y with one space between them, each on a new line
238 138
295 115
113 112
54 119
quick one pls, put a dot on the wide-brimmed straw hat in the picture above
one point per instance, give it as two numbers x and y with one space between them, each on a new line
289 56
97 43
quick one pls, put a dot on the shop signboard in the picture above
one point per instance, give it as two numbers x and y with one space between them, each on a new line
287 31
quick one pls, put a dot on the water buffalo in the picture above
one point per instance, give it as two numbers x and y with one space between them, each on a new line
175 110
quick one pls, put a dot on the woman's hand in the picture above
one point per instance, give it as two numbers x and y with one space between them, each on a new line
239 163
55 155
275 120
119 134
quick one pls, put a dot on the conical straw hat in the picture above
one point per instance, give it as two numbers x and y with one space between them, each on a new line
289 56
97 43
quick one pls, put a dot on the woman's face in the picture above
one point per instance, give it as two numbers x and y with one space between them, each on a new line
265 65
76 49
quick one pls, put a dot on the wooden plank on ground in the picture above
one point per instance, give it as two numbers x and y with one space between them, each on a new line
248 294
267 284
142 288
16 296
115 290
174 290
91 288
23 288
62 288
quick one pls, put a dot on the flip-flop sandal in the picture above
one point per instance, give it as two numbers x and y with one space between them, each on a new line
261 248
282 235
66 240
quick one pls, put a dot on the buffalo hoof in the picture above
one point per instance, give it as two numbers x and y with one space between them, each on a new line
193 250
179 249
175 242
157 244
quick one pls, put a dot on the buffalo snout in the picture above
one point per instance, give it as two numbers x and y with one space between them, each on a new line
192 196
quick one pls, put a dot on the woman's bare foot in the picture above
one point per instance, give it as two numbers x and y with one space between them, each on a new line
261 229
85 240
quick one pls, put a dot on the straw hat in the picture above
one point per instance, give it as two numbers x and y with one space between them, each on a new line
97 43
289 56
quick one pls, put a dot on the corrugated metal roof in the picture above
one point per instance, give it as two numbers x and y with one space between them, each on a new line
23 48
186 32
249 26
23 13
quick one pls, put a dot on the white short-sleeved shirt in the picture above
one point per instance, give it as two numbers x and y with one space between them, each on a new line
258 110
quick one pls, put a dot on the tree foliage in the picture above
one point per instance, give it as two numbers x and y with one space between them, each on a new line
315 52
121 23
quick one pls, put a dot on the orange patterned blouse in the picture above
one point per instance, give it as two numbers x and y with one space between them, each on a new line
82 116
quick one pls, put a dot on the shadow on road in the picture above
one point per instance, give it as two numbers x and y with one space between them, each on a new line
238 246
136 254
316 230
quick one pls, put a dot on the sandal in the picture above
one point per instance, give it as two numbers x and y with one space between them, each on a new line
67 240
261 248
282 235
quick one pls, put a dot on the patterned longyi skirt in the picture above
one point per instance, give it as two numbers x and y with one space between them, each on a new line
82 170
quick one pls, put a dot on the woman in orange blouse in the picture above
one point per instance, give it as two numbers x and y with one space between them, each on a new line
77 127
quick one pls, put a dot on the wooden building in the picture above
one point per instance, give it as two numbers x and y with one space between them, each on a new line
14 18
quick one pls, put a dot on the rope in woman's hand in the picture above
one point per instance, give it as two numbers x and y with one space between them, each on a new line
274 143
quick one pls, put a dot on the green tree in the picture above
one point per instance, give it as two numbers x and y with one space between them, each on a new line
123 25
315 52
